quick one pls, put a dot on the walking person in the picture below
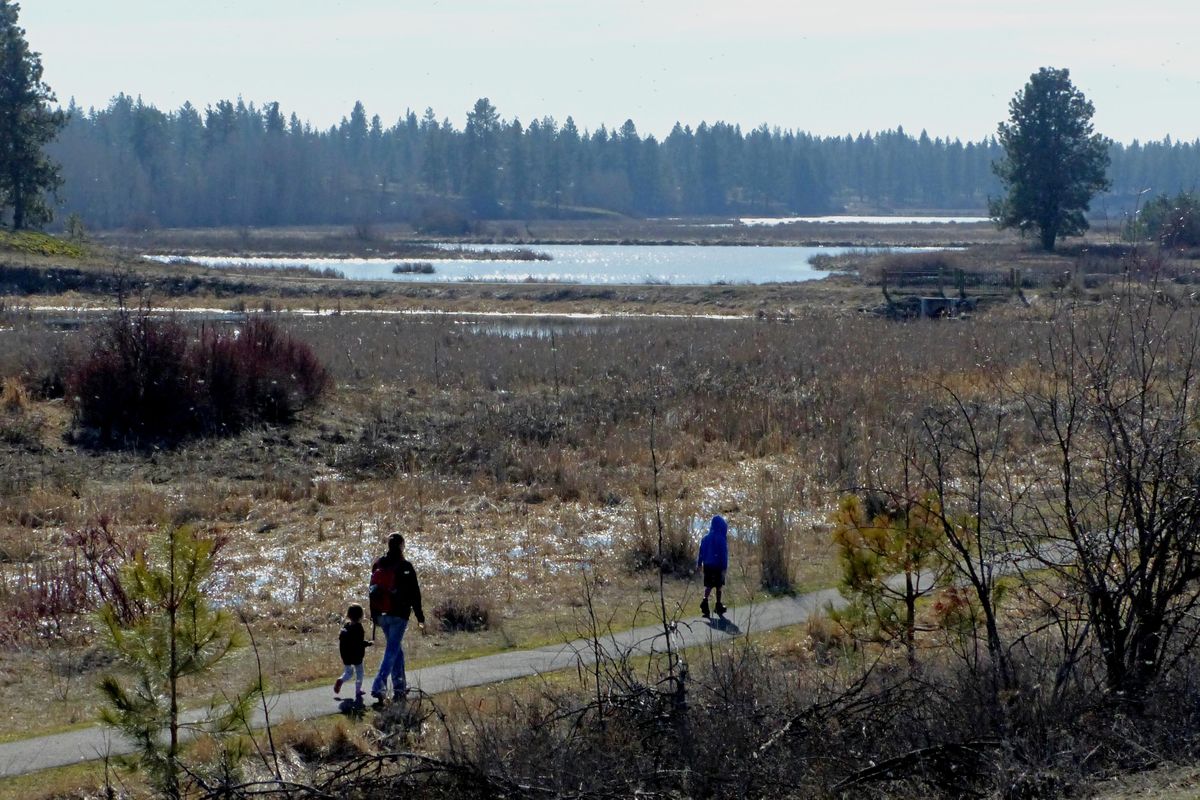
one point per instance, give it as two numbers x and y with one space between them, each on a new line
394 595
352 646
713 560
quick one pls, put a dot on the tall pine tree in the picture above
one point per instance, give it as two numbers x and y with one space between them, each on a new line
1054 162
27 123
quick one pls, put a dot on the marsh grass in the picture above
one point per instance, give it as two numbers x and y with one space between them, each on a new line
418 268
22 429
14 397
677 555
775 536
512 451
502 451
465 607
299 271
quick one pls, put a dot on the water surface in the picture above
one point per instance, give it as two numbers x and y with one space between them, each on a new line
578 263
865 220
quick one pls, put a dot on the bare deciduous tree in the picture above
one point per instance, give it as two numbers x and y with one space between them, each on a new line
1115 417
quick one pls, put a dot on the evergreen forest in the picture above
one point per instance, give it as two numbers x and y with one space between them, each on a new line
237 163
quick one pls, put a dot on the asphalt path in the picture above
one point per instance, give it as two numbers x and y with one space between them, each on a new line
89 744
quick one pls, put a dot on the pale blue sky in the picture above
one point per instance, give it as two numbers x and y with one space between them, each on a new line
949 66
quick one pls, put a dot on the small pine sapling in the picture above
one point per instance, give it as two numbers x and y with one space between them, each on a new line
178 636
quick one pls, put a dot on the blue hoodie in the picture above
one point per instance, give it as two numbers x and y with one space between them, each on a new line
714 548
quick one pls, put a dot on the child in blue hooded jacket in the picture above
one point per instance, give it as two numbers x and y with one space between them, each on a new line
713 561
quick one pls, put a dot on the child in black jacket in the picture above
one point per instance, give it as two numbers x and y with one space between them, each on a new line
352 644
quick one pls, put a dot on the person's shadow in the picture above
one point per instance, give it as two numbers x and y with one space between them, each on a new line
352 708
724 625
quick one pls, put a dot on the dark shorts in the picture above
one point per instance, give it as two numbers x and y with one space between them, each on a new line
714 577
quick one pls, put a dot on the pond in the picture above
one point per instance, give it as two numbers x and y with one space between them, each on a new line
576 263
868 219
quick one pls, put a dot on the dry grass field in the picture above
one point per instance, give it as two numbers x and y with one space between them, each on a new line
514 452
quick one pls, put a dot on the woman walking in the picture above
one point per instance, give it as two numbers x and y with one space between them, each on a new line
394 595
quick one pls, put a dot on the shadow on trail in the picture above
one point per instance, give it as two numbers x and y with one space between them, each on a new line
726 626
352 708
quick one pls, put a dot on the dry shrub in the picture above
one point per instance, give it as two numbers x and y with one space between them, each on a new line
751 727
14 398
22 430
285 489
344 743
743 723
774 536
134 386
134 504
39 508
323 492
304 740
558 471
17 425
744 731
403 723
17 546
465 608
678 552
828 637
259 373
37 598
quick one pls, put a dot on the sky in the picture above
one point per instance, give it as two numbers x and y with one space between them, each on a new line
946 66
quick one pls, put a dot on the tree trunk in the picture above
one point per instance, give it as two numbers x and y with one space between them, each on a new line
173 677
910 619
1146 650
1049 234
18 199
995 645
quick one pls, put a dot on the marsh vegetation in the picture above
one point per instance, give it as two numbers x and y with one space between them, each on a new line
516 457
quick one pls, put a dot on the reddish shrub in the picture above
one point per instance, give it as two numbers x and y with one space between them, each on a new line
257 374
134 386
147 381
102 555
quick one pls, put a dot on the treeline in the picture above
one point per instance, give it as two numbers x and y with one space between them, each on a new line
236 163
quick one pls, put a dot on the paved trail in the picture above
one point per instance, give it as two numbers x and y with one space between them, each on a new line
44 752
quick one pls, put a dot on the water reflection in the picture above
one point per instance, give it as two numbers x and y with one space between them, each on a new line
536 329
866 219
577 264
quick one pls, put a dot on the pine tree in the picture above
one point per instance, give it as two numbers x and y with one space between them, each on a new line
1053 161
27 124
176 635
890 561
481 142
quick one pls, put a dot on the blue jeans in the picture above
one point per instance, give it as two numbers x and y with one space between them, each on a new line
354 671
393 655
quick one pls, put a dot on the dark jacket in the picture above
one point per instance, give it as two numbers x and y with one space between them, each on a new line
352 643
406 597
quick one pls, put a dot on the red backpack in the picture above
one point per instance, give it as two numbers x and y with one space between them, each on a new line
381 592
